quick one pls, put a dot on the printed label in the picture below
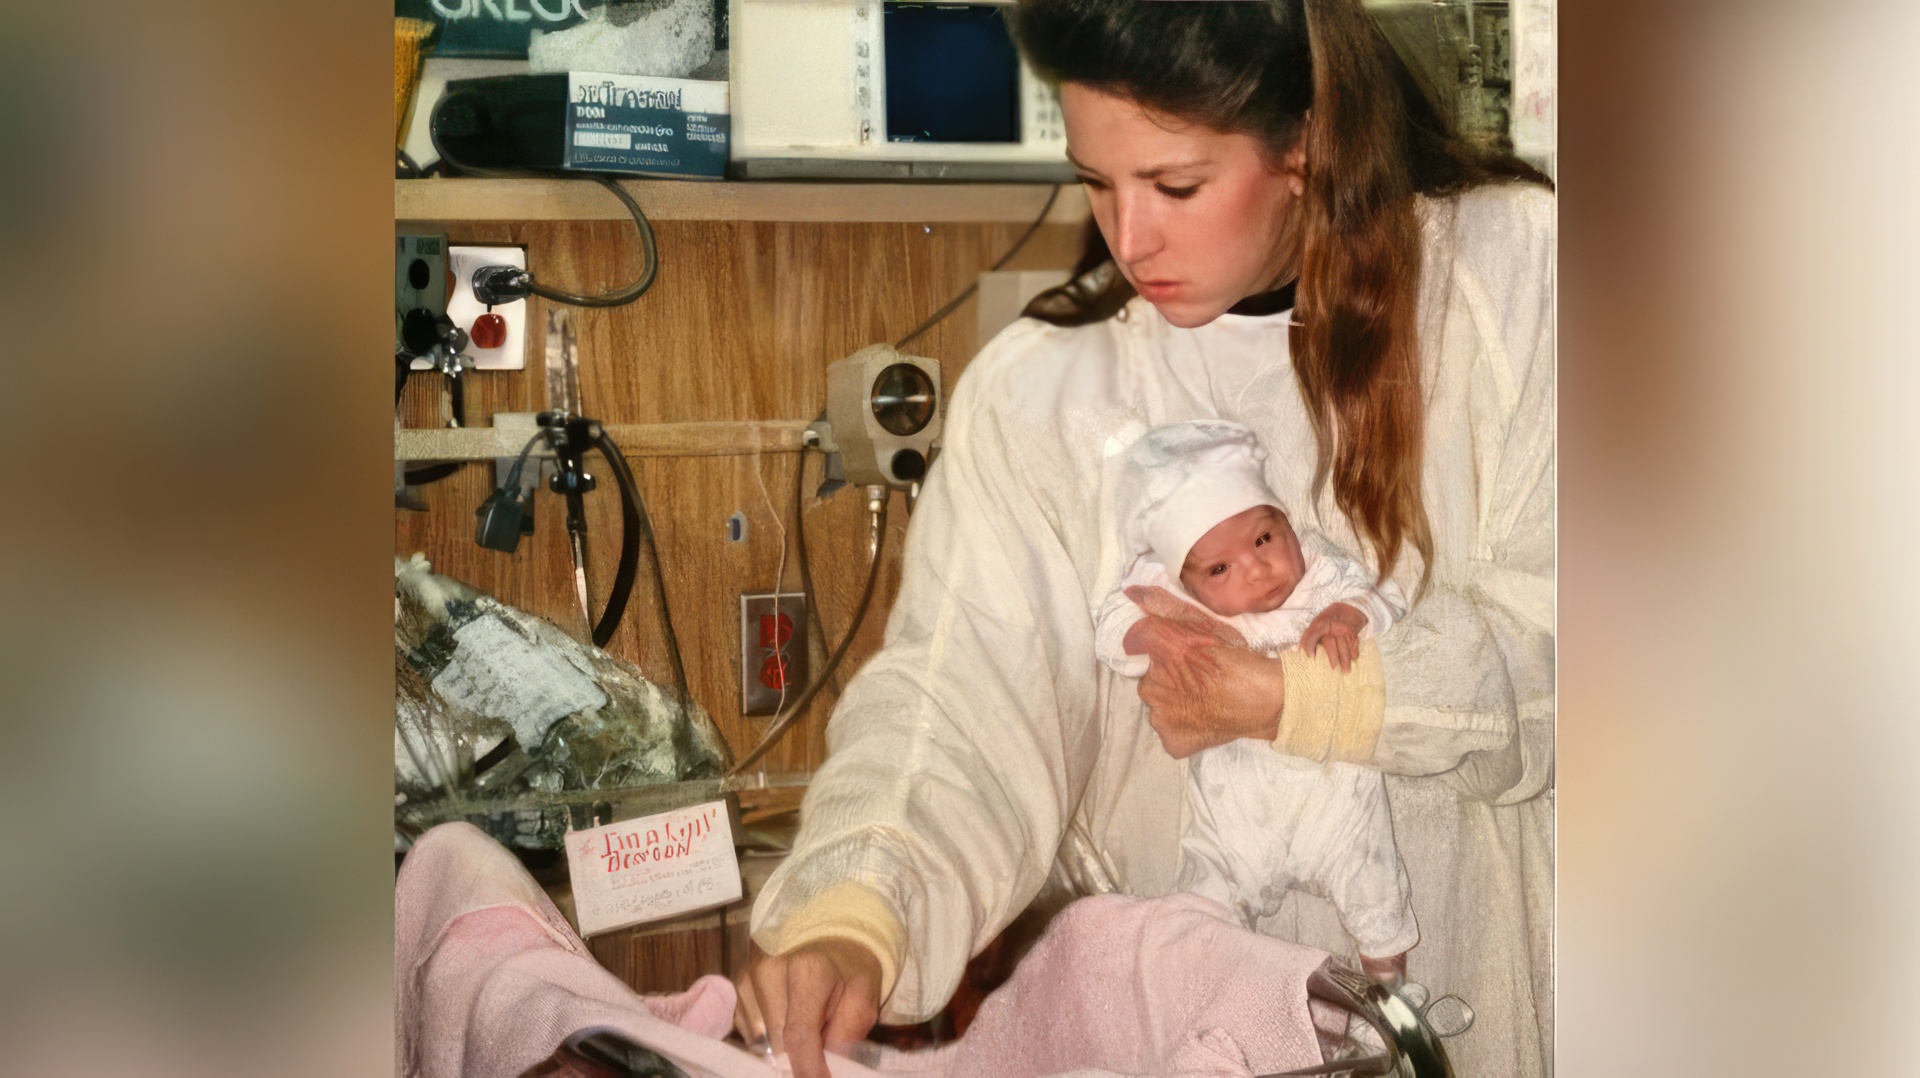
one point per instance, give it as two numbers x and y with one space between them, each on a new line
632 123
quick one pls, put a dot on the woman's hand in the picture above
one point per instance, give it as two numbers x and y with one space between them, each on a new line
1204 687
820 997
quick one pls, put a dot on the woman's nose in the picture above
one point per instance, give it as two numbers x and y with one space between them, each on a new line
1136 235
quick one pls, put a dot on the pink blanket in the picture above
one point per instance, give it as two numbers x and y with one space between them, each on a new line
489 978
1141 986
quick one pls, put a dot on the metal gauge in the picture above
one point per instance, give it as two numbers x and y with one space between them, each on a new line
903 399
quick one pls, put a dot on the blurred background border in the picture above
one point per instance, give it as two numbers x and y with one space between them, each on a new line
195 572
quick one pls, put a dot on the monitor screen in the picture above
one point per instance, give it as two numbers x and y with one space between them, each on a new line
952 74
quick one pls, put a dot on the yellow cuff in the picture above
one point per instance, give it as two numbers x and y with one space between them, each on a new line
1330 715
849 911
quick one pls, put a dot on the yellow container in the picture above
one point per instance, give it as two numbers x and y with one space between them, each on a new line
409 40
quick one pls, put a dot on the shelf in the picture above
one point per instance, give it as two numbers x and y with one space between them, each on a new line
689 200
711 439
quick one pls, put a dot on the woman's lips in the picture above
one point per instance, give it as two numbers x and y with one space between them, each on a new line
1155 291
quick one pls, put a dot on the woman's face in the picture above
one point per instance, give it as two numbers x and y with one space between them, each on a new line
1193 216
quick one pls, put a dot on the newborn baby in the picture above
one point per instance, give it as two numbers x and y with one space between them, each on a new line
1202 523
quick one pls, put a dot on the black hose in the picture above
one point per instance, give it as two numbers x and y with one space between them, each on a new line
457 397
629 563
800 538
786 720
635 526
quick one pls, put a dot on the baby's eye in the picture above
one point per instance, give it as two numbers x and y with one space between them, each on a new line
1218 570
1264 537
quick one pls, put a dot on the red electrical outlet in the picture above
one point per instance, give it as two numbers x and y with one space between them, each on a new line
773 651
776 632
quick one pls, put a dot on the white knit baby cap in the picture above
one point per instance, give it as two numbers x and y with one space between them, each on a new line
1182 479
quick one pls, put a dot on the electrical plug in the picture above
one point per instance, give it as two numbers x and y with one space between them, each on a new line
495 285
503 519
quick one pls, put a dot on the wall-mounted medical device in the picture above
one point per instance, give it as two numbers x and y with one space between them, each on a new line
420 287
881 89
883 416
583 121
425 337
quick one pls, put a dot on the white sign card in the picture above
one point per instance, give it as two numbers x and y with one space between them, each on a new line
635 871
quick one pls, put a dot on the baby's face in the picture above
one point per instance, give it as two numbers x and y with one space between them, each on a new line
1247 564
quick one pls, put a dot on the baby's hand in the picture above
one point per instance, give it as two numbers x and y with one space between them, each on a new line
1337 631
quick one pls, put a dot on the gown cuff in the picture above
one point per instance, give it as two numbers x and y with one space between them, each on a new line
852 912
1330 715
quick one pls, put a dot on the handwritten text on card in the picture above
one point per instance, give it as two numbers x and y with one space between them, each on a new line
635 871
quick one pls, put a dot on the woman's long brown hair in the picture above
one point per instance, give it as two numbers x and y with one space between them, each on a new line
1373 143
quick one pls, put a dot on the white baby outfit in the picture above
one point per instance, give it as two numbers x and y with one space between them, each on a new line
1259 822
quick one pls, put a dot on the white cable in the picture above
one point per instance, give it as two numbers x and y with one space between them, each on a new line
780 574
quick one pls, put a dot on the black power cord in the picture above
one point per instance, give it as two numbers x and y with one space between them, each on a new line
954 303
494 285
503 284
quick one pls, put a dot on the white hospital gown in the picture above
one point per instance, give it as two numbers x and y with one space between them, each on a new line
984 746
1260 823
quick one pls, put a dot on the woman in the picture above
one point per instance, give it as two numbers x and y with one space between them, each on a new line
1237 157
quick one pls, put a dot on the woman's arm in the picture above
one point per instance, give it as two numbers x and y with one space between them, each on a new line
1511 576
1470 671
956 752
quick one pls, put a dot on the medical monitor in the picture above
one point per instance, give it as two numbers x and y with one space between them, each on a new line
888 89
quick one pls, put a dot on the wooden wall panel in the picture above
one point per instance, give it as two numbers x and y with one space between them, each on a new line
741 324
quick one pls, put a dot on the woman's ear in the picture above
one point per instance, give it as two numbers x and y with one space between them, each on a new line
1294 165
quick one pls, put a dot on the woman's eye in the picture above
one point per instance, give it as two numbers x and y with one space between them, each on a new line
1091 182
1176 192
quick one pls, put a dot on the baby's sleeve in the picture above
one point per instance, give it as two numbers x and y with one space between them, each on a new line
1118 614
1381 601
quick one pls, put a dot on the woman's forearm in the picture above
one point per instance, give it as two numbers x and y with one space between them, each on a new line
848 911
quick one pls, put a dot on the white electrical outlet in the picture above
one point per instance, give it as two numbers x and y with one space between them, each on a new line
511 353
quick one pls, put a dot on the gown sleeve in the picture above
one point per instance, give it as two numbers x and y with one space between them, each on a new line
956 751
1470 672
1120 614
1511 575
